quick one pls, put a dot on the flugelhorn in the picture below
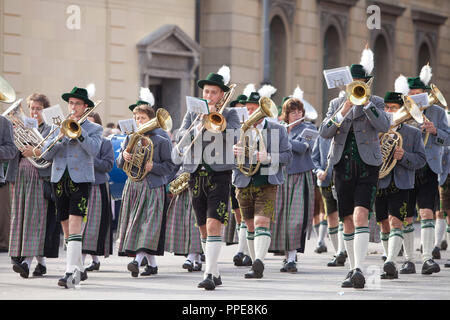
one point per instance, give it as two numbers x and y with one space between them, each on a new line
267 108
141 147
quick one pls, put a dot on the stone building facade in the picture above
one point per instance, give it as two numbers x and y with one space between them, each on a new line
167 44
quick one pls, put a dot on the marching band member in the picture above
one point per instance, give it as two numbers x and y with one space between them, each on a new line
324 181
295 214
393 194
97 231
8 151
182 234
141 218
256 194
356 158
444 197
72 175
33 229
426 178
209 183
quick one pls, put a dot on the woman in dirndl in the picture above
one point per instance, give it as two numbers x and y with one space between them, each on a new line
97 231
295 198
182 233
34 231
142 218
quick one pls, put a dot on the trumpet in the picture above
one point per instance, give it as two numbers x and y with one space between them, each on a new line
214 122
68 128
267 108
358 93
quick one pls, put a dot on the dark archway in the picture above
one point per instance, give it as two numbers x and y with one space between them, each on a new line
423 57
381 71
278 47
331 59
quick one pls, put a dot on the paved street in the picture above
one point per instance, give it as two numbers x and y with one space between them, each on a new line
313 281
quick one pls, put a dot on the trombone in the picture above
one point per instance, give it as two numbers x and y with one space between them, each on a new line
69 128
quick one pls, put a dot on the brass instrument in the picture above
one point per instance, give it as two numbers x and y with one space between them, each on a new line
358 93
7 93
390 140
267 108
141 147
180 184
214 122
69 128
24 136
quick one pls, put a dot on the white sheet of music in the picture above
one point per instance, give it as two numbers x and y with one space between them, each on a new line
337 77
127 126
421 99
52 114
197 105
309 134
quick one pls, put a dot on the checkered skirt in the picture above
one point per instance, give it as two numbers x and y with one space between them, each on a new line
182 234
141 215
28 213
97 229
294 208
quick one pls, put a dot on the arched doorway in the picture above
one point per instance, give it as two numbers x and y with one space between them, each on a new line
331 59
424 56
278 43
381 72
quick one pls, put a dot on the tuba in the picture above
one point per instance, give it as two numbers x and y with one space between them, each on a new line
24 136
390 140
141 147
180 184
267 108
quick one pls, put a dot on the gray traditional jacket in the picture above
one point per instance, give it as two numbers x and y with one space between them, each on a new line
319 159
301 149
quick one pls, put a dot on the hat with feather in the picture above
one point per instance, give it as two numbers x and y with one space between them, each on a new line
266 90
145 98
220 79
84 94
365 66
423 80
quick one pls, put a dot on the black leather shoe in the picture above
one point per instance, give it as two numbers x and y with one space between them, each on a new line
447 264
22 269
384 276
408 268
257 270
341 258
133 267
67 281
149 270
39 270
188 265
83 275
335 262
207 283
430 267
347 282
444 245
436 253
320 249
291 267
358 279
247 261
197 266
95 266
217 281
390 269
237 259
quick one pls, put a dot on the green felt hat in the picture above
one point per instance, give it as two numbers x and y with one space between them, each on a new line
238 100
252 98
79 93
358 72
138 103
214 79
393 97
416 83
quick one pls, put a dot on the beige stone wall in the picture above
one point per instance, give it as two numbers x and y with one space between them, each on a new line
40 54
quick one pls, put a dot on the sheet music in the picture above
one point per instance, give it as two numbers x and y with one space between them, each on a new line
242 113
421 99
337 77
197 105
30 122
53 114
127 126
309 134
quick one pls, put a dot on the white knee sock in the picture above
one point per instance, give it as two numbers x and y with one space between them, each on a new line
349 239
251 244
385 242
242 245
41 260
439 232
333 232
262 242
322 232
151 260
213 247
395 243
74 256
427 238
139 257
361 244
95 258
28 261
341 245
408 242
191 257
291 255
